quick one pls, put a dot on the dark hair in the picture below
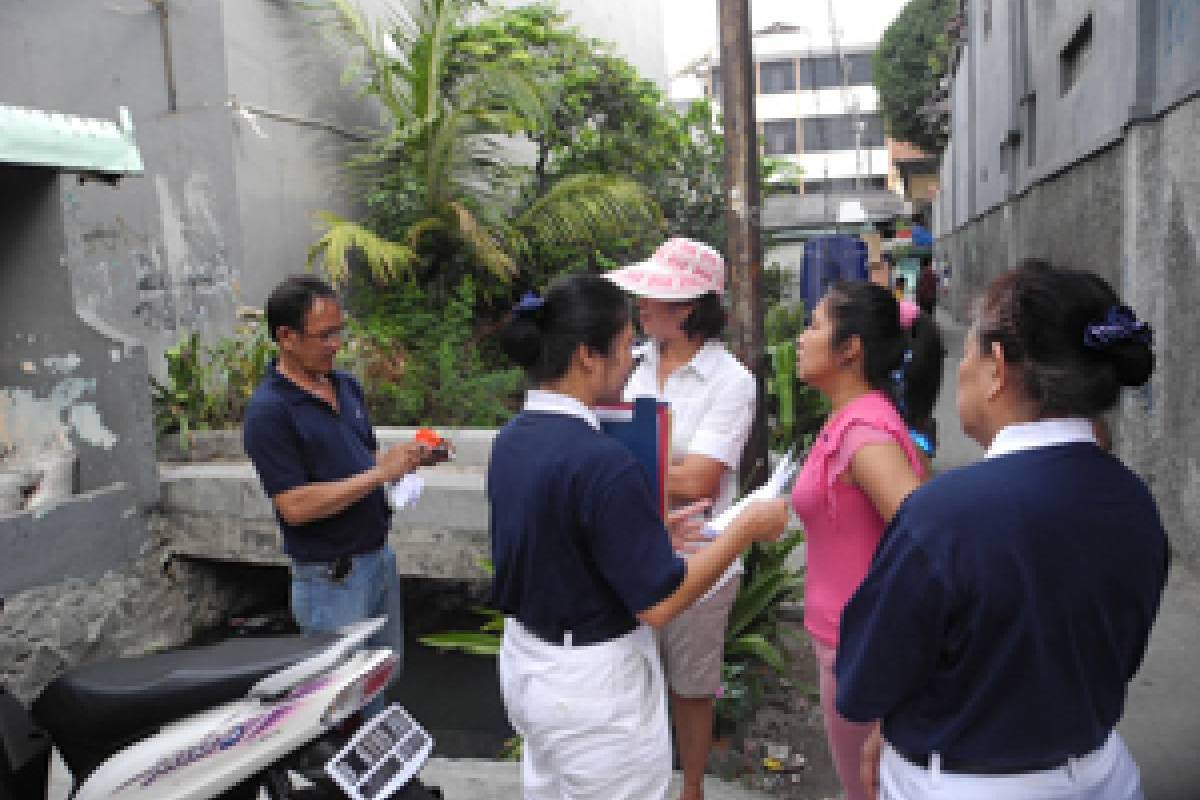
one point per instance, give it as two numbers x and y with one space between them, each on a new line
577 309
290 301
1040 316
707 319
871 313
901 281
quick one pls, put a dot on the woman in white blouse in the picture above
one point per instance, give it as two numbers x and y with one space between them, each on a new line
712 398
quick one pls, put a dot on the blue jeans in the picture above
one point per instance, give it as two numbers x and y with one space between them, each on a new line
371 589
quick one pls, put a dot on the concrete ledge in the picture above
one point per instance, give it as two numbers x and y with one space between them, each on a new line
473 445
80 537
219 511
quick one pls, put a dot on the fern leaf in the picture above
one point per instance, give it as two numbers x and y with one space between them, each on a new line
387 260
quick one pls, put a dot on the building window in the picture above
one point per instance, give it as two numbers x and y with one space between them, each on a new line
1074 56
714 78
819 73
777 77
867 182
837 133
987 19
779 137
825 72
861 69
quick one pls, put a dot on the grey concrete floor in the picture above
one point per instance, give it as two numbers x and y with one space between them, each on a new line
1162 714
469 779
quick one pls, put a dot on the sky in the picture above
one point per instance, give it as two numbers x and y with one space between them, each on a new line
691 25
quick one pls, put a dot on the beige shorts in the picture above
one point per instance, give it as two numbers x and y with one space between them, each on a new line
693 644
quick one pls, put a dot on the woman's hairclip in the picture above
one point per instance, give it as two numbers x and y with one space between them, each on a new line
529 303
1120 325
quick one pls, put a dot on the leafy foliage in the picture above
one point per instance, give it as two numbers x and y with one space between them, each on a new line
440 182
797 408
209 387
424 364
753 638
911 59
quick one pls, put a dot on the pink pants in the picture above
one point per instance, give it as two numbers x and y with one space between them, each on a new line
845 738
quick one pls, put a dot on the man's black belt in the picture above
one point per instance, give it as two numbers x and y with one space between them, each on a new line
580 635
969 766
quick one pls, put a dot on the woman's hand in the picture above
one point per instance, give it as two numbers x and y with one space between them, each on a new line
685 525
767 519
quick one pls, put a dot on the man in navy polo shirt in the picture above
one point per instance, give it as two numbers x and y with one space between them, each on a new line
311 442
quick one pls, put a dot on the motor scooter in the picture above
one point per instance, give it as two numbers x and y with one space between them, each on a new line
273 718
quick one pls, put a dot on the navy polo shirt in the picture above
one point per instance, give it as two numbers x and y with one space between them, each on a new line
577 541
294 438
1006 610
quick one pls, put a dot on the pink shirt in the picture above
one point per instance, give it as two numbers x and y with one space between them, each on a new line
842 527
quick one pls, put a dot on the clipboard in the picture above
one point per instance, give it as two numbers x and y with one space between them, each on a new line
644 426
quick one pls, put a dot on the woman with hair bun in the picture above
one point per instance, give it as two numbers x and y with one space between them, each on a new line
584 566
1010 601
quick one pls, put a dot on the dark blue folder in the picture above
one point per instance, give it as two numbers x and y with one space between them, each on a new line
644 426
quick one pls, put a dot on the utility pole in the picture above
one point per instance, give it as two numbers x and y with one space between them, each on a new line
743 205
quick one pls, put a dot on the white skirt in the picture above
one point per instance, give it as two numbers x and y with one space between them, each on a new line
1106 773
593 718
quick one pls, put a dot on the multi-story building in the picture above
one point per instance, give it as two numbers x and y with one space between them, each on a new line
817 111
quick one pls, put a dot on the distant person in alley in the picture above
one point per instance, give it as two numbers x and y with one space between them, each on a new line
310 439
1010 602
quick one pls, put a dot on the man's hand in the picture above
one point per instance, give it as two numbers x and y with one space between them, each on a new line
401 459
868 769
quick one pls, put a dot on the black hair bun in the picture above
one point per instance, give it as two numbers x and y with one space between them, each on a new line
521 340
1133 362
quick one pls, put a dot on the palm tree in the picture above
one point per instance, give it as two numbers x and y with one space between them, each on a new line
443 152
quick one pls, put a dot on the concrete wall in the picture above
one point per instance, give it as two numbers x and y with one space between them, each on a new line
63 381
161 254
288 165
64 378
225 208
1105 178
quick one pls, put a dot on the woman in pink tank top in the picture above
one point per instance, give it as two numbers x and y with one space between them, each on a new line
863 463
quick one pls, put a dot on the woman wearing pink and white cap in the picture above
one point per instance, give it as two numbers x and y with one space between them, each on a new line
712 398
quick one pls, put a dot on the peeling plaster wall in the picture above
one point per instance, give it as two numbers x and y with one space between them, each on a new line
160 254
64 378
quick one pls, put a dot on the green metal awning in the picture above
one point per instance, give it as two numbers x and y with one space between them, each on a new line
71 144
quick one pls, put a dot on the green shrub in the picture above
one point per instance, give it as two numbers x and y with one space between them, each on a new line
208 387
421 364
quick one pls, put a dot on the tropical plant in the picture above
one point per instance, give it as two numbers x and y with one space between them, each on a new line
444 198
796 408
913 56
208 387
754 635
422 363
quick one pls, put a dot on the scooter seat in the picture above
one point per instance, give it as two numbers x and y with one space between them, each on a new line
95 710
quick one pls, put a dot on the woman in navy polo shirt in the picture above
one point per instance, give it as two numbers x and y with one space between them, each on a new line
583 564
1010 602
